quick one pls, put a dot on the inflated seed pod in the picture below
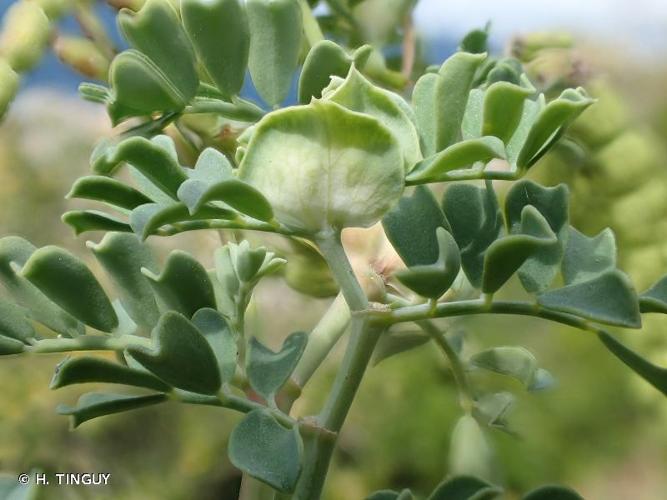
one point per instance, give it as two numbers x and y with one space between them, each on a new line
24 36
218 30
82 55
276 29
9 85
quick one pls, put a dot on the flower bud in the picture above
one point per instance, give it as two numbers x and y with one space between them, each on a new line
9 84
82 55
25 34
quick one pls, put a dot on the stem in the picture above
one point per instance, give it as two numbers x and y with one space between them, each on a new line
466 396
492 175
480 306
240 110
409 47
88 343
322 339
363 338
238 223
311 27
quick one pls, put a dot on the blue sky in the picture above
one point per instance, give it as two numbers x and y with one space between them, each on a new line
636 25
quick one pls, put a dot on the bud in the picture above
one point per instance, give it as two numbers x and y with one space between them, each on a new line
82 55
55 9
9 85
469 452
25 34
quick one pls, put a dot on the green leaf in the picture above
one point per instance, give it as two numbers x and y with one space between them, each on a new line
393 343
156 32
610 298
149 157
324 60
267 370
140 87
451 95
215 329
653 374
123 256
550 123
88 369
68 282
14 322
654 300
506 255
322 166
83 221
10 346
391 495
219 32
356 93
587 258
460 155
183 285
181 356
147 219
471 126
263 448
235 193
275 43
503 109
476 222
465 488
531 110
539 271
15 251
411 225
516 362
111 191
433 280
476 41
423 97
94 404
212 166
552 493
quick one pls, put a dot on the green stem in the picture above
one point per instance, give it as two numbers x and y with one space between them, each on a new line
88 343
466 396
480 306
322 339
493 175
363 338
311 27
241 110
242 223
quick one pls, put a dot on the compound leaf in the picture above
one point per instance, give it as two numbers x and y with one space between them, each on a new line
83 221
107 190
215 329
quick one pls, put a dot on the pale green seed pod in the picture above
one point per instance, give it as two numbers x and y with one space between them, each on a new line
25 34
55 9
9 85
469 452
323 167
82 55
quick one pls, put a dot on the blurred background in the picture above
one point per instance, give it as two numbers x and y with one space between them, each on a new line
600 430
